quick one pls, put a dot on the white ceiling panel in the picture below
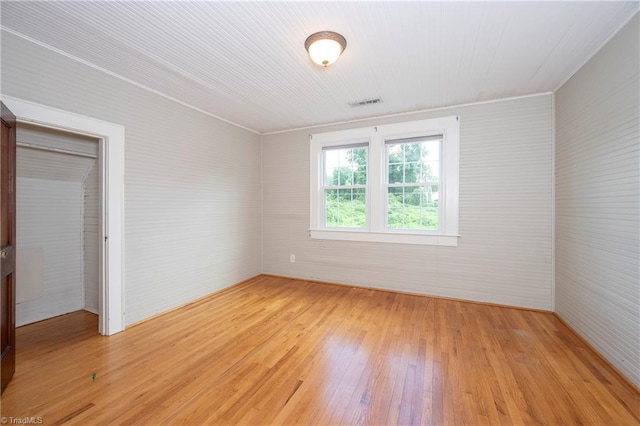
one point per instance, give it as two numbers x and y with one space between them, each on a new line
245 61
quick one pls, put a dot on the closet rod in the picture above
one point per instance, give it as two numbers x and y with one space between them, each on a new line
58 150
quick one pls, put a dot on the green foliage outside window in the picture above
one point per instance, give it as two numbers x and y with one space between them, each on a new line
346 207
409 206
413 206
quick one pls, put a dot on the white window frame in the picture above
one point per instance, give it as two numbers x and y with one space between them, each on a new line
376 196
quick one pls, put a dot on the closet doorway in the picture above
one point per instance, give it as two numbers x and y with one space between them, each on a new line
111 138
58 223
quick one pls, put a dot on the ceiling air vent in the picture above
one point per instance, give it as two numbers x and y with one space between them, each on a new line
365 102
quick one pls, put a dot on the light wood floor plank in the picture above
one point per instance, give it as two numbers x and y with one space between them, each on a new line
283 351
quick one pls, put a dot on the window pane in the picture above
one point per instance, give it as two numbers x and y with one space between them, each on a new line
345 208
331 177
431 171
360 174
413 162
413 207
345 166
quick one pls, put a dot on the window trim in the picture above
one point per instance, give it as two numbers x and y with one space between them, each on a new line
376 136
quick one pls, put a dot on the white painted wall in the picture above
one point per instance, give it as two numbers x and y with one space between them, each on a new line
52 138
504 253
38 228
192 182
597 201
41 230
49 216
90 243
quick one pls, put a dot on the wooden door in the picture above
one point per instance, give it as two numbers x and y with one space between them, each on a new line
7 243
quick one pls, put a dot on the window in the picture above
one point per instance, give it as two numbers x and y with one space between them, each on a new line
345 186
412 172
395 183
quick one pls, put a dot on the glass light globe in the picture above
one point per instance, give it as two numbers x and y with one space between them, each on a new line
325 52
325 47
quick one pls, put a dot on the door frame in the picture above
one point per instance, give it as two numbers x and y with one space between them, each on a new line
111 140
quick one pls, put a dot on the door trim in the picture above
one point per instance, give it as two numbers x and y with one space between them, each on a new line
111 137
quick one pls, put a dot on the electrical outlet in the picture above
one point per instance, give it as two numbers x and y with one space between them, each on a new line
292 258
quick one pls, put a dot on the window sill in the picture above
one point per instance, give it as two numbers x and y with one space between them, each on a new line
386 237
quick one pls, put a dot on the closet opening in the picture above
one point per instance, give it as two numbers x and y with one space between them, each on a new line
58 217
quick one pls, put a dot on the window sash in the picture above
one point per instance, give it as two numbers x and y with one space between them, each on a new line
351 217
387 185
348 145
326 188
400 185
388 209
427 137
324 177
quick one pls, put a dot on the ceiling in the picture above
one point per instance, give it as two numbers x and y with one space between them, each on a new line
245 62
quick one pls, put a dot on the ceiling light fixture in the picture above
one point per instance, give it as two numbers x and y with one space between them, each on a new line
325 47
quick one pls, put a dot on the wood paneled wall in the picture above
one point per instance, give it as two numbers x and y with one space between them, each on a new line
597 201
192 208
49 216
504 251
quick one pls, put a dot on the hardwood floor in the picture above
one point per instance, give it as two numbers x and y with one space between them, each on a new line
280 351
